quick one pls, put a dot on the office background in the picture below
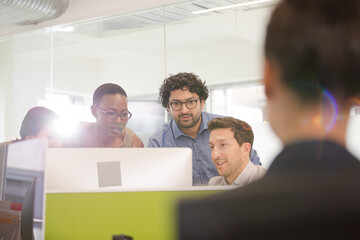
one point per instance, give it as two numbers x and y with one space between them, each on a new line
136 44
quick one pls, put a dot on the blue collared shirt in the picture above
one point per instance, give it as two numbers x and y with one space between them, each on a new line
170 135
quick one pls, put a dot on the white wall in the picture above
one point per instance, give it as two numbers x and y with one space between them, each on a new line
5 74
266 143
219 48
218 64
25 75
137 73
28 86
79 75
212 47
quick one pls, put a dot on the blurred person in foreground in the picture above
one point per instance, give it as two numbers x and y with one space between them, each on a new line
231 141
312 79
39 122
110 109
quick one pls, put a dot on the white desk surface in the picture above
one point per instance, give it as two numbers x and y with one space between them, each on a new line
122 189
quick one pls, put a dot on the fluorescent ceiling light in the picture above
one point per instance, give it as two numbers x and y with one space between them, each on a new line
66 29
245 4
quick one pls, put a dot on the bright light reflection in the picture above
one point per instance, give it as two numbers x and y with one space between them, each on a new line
69 114
237 5
66 128
69 118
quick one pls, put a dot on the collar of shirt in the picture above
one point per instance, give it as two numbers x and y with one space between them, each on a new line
244 176
242 179
178 132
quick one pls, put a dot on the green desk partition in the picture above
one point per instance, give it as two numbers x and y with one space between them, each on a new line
100 215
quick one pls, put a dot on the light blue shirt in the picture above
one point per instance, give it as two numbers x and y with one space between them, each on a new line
170 135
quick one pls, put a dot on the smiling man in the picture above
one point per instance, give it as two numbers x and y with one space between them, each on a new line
231 142
112 114
184 96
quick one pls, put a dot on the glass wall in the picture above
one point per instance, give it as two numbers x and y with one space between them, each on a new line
25 74
60 67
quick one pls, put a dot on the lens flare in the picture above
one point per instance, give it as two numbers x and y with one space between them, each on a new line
329 100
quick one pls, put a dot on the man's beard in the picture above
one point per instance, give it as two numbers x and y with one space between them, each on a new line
188 124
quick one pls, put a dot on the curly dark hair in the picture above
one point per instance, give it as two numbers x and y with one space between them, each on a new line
182 81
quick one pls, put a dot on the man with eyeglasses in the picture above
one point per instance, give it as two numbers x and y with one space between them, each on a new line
112 114
184 96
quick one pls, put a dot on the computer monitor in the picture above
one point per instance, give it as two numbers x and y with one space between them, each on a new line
17 221
25 161
27 213
3 156
94 168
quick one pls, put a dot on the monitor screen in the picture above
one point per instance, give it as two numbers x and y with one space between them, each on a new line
3 155
26 161
27 213
94 168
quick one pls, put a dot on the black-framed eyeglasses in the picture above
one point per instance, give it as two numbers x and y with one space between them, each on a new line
113 115
190 104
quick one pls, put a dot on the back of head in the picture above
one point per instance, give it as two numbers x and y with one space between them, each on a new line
242 131
35 120
184 81
107 88
316 46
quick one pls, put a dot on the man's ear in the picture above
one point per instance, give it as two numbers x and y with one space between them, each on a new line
246 148
93 111
269 77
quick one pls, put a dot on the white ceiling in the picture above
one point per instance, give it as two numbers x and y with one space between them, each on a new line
80 10
139 13
196 33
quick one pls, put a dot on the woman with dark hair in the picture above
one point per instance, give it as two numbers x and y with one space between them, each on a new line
110 109
37 123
